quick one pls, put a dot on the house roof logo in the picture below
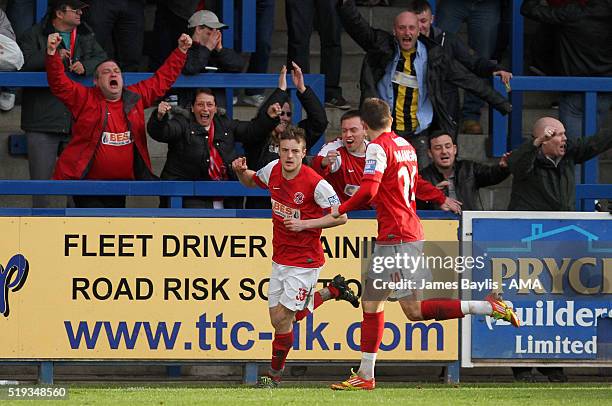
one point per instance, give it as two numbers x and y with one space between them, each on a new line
12 279
538 233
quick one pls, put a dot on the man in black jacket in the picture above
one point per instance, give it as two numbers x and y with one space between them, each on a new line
393 71
46 121
544 168
208 54
459 179
201 143
476 64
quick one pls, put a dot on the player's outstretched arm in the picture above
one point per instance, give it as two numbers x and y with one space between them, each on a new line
244 174
326 221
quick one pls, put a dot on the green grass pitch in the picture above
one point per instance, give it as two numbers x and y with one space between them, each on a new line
319 394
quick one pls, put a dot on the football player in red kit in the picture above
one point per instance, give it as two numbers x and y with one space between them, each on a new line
301 203
389 183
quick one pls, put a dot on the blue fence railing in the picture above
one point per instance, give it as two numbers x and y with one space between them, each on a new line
588 192
504 125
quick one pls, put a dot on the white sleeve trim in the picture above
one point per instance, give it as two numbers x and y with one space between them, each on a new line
376 159
325 195
264 173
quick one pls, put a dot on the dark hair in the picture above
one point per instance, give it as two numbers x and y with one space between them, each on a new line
203 90
294 133
438 133
376 113
350 114
95 74
418 6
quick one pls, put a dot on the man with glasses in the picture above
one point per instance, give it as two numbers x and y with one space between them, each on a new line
45 120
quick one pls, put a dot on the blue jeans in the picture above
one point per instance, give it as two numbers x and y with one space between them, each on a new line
482 17
21 15
263 38
571 112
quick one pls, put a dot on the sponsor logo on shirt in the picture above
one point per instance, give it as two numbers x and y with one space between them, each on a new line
116 139
333 200
298 198
350 190
285 212
370 166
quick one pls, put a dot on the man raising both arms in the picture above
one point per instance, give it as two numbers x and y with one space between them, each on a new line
299 199
389 182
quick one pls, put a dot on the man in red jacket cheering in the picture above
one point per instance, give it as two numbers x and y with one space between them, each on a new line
108 134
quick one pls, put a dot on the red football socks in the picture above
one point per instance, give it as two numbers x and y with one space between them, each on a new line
441 309
318 301
280 348
372 328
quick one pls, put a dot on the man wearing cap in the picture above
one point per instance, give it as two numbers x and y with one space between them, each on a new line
108 139
45 120
207 53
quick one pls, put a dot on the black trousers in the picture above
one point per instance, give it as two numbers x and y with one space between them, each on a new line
119 29
300 16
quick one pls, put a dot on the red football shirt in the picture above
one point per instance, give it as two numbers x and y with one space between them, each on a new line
344 174
114 156
304 197
392 161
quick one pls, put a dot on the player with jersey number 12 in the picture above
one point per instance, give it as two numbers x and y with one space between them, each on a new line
389 182
301 203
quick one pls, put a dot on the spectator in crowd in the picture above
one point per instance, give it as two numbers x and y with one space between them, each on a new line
341 161
201 143
459 179
170 21
300 22
408 74
583 48
258 63
263 148
119 28
207 53
44 118
11 59
21 15
543 168
476 64
108 137
483 19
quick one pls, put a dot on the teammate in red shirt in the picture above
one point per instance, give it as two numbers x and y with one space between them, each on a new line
301 202
389 182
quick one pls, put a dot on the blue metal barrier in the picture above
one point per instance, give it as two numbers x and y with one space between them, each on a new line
587 192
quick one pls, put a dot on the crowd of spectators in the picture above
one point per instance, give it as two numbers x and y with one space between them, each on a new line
417 68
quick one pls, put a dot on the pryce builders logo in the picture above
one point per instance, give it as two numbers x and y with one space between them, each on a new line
12 279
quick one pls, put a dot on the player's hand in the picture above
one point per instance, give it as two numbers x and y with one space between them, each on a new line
274 110
294 225
282 78
330 158
334 212
505 77
546 135
78 68
184 43
442 185
298 78
503 161
53 41
162 109
239 165
451 204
